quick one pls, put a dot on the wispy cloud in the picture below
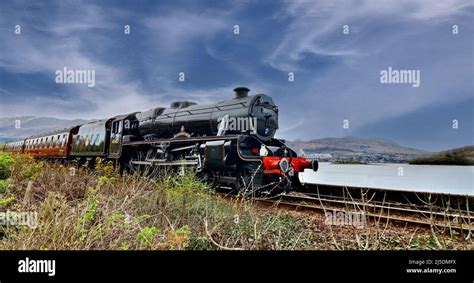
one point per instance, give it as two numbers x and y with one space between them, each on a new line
336 75
316 26
176 31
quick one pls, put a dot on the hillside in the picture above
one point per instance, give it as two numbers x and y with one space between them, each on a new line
456 156
356 149
32 125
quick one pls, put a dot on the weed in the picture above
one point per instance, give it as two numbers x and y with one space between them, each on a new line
100 209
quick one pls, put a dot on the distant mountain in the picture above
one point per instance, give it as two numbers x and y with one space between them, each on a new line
11 129
356 149
353 144
456 156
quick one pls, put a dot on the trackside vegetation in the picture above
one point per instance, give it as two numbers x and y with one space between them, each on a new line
79 208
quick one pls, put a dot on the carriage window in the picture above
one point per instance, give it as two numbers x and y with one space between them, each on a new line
96 140
86 140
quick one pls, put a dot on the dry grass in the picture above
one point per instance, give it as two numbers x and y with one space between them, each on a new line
83 209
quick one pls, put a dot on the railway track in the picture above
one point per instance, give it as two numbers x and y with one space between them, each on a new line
397 213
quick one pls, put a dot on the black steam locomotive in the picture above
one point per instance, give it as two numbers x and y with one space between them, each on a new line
230 143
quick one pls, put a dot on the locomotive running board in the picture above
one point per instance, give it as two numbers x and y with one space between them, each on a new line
158 162
159 141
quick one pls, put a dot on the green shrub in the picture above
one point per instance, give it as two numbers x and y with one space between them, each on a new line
3 186
146 235
6 162
7 201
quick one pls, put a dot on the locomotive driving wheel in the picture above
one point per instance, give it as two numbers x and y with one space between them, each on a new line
245 184
132 165
150 170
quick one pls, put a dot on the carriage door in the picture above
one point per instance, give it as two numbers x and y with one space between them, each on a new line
116 139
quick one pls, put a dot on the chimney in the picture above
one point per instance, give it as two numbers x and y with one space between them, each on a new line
241 92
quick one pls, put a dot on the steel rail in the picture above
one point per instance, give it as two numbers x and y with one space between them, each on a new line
417 217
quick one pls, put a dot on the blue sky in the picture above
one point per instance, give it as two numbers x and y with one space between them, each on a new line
337 76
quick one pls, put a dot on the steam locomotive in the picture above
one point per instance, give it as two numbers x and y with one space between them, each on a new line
230 143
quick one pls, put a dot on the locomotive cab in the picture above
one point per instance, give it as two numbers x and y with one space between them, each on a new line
124 128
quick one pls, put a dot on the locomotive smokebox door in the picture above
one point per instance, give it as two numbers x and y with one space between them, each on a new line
215 154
